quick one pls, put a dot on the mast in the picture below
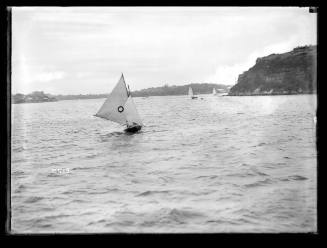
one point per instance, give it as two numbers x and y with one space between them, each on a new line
129 91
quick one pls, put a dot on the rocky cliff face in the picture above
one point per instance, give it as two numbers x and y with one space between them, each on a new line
288 73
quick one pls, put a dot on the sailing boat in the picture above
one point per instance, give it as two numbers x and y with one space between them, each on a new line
190 93
119 107
214 92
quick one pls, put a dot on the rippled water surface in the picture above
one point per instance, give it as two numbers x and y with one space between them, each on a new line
217 164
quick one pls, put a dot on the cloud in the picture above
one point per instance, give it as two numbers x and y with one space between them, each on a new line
28 75
67 46
82 74
48 76
228 74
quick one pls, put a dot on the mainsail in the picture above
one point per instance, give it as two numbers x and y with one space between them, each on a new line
214 91
131 114
113 107
190 91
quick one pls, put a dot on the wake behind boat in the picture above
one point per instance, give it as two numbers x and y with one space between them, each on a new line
119 107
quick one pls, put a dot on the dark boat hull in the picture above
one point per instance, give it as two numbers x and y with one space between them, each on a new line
133 129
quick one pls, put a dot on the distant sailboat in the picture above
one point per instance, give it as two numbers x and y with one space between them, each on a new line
190 93
214 92
120 108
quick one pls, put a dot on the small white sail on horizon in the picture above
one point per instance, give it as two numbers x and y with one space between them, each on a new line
190 91
119 107
214 92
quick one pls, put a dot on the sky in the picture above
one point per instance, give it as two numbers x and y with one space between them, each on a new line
84 50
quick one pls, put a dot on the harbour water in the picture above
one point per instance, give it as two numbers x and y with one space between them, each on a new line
217 164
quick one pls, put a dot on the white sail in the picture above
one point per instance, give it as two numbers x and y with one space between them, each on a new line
113 107
214 92
131 114
190 91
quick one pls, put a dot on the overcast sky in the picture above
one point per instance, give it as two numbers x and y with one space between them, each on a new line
80 50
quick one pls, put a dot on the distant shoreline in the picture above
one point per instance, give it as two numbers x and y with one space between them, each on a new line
166 90
276 94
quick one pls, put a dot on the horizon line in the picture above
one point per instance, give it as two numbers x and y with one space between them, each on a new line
76 94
